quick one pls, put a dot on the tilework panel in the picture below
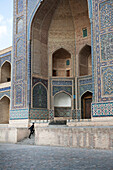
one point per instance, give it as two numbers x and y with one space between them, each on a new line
37 80
57 89
5 93
102 109
62 112
78 114
86 81
68 83
39 96
3 59
19 25
5 54
20 46
39 114
106 14
84 88
20 5
106 46
73 114
18 92
19 114
19 70
107 77
51 114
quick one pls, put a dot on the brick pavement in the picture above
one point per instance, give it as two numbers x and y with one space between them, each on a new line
22 157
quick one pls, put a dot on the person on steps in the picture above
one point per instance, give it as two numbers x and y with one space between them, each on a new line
31 130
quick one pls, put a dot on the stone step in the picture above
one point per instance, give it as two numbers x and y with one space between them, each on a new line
27 141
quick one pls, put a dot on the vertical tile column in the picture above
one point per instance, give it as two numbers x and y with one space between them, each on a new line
103 58
19 104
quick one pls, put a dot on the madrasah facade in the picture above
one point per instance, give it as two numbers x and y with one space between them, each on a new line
61 64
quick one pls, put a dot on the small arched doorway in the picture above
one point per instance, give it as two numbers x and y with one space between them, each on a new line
4 110
61 63
86 101
62 105
85 62
6 72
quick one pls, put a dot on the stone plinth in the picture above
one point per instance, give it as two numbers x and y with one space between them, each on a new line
99 137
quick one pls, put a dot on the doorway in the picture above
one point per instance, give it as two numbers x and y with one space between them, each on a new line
86 101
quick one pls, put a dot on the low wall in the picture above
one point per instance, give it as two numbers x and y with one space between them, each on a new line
12 135
79 137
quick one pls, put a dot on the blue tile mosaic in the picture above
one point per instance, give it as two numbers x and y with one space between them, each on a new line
39 80
4 59
107 81
19 6
19 25
106 14
19 70
5 93
57 89
18 90
19 114
106 46
62 83
102 109
62 112
39 96
20 47
39 114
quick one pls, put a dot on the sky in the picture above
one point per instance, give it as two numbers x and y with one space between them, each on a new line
6 23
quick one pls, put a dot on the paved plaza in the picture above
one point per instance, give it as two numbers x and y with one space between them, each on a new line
22 157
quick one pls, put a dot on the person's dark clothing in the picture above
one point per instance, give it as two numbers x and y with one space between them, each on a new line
31 130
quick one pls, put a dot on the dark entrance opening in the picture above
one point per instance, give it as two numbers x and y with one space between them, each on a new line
86 101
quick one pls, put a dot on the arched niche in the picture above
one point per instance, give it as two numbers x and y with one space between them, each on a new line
62 105
6 72
61 62
39 96
4 110
86 101
85 61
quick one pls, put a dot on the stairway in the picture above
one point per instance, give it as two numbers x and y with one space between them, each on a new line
28 141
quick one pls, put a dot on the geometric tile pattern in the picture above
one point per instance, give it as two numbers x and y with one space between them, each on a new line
74 114
19 25
62 83
102 109
106 46
19 6
103 47
20 47
18 91
40 114
39 96
57 89
5 93
62 112
3 59
107 78
19 114
37 80
106 14
51 114
19 72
